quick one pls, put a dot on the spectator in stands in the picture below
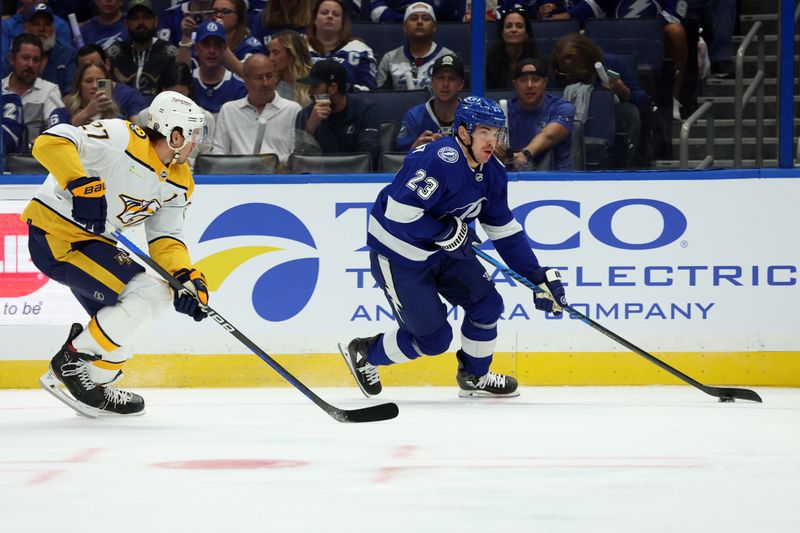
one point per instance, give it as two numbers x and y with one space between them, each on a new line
339 122
514 42
128 99
41 99
86 103
573 61
718 18
15 25
58 60
13 133
329 37
170 27
108 26
232 17
433 120
393 10
139 61
670 14
408 67
537 122
282 15
288 51
239 121
213 83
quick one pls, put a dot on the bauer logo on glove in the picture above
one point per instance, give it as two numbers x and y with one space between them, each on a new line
553 297
89 206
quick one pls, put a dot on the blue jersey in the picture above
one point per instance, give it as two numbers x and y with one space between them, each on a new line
417 120
13 123
247 46
129 100
358 61
169 22
667 10
524 125
211 97
104 35
436 182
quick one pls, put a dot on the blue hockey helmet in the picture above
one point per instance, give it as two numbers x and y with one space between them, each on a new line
478 110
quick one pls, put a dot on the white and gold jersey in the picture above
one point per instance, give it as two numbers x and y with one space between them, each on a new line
140 189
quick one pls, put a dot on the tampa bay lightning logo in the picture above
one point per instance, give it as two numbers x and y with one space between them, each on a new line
636 9
448 154
283 290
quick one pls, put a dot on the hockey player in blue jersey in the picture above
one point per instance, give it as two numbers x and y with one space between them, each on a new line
421 250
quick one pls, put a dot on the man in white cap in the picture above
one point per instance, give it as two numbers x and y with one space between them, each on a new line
409 67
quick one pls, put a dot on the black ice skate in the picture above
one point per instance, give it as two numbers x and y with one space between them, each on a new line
489 386
366 375
70 369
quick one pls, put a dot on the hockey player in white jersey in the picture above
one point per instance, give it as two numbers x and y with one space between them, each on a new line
421 250
112 173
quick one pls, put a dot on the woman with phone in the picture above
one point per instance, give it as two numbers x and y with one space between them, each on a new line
91 98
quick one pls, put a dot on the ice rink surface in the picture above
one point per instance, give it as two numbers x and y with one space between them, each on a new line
556 459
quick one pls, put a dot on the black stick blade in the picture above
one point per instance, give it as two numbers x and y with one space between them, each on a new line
374 413
729 394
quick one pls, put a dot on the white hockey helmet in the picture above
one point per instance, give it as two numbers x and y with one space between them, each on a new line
170 110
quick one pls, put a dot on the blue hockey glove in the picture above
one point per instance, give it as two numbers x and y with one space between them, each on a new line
89 206
553 296
457 239
193 299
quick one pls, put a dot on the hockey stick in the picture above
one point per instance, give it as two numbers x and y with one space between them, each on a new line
725 394
374 413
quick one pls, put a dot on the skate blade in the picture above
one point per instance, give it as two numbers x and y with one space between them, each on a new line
479 394
353 371
51 384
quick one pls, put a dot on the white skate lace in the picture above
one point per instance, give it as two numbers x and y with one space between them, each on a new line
117 396
81 370
492 380
370 373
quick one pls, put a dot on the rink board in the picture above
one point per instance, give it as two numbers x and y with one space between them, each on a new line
701 272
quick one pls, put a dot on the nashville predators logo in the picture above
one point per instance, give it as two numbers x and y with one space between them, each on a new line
135 210
123 258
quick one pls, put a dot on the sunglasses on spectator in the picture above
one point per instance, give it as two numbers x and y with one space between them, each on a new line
224 12
516 8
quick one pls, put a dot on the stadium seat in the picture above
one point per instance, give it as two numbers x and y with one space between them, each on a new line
578 152
390 106
644 38
330 163
391 161
22 164
236 164
388 135
599 129
546 33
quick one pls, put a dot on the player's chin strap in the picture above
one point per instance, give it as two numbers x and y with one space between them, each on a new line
469 147
176 150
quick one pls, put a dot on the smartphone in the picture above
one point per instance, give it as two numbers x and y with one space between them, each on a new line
613 75
104 85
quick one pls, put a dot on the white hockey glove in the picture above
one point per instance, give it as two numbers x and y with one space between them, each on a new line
553 296
457 239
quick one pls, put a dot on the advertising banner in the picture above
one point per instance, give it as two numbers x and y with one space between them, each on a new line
672 265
